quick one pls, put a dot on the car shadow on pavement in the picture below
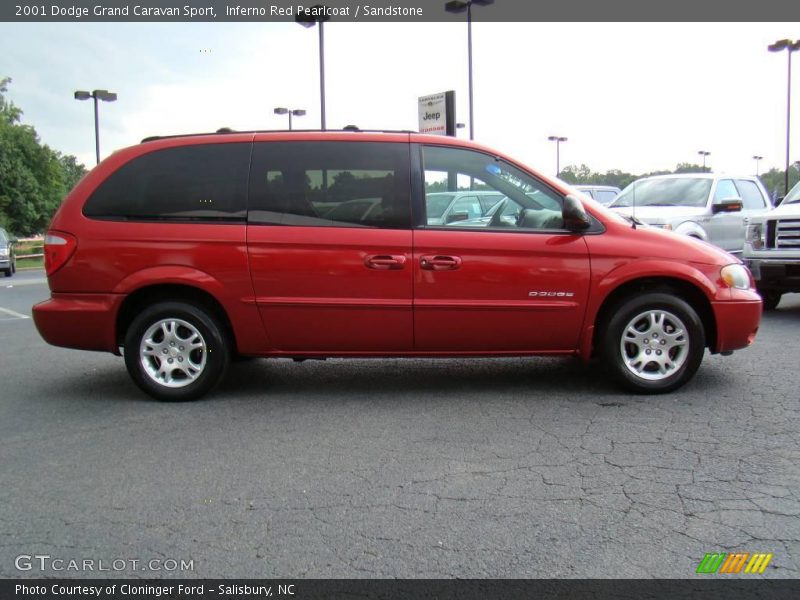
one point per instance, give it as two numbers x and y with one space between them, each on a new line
566 379
398 380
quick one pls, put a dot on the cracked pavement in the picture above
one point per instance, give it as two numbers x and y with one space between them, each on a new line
511 468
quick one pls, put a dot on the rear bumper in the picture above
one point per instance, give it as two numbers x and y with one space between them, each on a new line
83 321
737 320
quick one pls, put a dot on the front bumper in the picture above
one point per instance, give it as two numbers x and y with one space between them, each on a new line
780 274
737 320
83 321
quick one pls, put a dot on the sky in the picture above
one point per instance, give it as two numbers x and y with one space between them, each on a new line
631 96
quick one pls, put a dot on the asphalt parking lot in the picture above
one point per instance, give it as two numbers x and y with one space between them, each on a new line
397 468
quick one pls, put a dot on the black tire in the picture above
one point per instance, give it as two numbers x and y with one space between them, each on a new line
8 272
167 325
771 298
681 355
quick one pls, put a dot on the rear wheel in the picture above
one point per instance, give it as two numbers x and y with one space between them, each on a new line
176 351
654 343
771 298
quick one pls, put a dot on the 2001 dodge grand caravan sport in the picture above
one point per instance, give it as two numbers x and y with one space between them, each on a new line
182 252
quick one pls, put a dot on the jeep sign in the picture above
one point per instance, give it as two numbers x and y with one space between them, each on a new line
434 114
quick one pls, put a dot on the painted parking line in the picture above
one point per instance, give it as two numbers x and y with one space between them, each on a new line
12 313
27 282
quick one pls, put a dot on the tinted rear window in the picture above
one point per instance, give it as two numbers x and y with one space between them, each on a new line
205 182
330 184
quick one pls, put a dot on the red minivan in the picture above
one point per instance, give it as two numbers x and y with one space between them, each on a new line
182 253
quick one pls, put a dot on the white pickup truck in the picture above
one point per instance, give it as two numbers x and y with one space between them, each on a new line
772 249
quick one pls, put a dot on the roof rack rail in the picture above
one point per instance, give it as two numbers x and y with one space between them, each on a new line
228 130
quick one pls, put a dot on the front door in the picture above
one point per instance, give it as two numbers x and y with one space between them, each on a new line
512 281
725 229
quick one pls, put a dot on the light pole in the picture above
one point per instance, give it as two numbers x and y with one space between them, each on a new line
297 112
557 139
789 46
757 158
317 15
704 153
458 6
105 96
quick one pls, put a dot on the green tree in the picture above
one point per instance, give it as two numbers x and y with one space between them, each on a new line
690 168
33 177
774 180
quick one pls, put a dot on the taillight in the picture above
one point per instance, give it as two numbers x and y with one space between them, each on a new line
58 247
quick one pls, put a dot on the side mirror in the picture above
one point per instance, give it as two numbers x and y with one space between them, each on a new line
453 217
574 215
727 205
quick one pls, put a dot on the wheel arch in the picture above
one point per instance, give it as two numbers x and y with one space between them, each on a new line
691 229
175 292
685 290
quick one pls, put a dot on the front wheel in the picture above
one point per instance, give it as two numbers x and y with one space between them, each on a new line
654 343
771 298
176 351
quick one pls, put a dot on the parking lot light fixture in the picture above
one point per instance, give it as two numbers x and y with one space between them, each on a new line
704 153
103 95
757 158
790 46
455 7
297 112
316 15
558 140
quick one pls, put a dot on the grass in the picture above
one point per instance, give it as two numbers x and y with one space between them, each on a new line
30 263
24 248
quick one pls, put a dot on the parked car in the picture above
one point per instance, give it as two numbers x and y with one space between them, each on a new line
444 208
507 212
604 194
707 206
183 252
772 249
8 256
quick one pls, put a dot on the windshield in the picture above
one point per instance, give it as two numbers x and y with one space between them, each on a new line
793 195
678 191
436 204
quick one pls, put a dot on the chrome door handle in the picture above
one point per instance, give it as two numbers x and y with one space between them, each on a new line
439 262
385 262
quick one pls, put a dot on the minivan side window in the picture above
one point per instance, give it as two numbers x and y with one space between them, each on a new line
752 198
330 184
526 202
203 182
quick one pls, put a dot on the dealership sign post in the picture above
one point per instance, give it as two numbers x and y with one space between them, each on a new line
437 114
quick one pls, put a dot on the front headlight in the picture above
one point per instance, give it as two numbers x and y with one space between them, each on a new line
755 235
736 276
4 251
